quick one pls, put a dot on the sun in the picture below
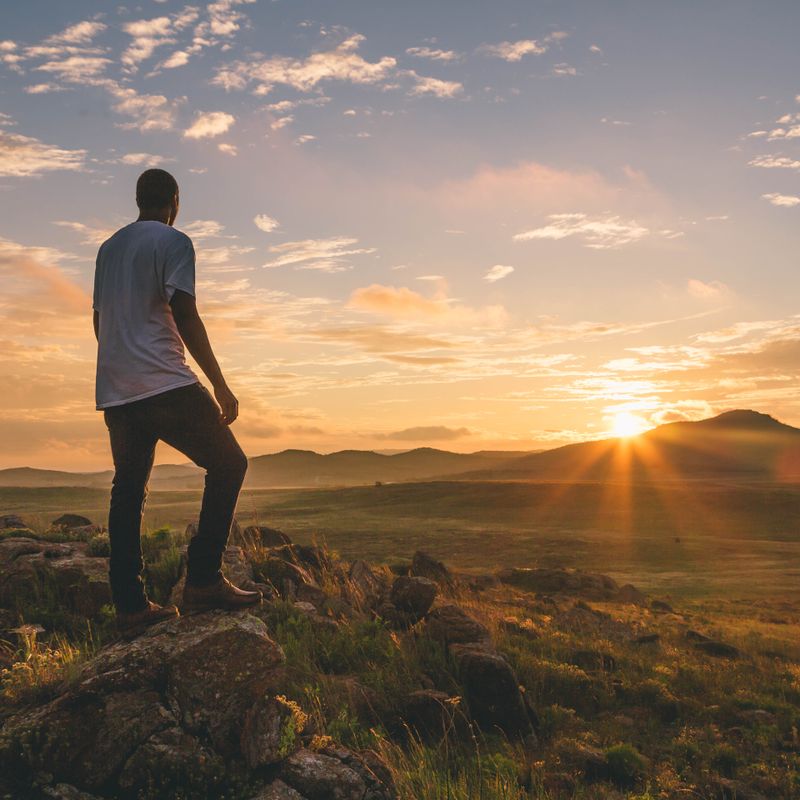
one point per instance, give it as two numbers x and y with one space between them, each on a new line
626 424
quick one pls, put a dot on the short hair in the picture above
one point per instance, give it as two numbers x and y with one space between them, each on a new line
156 188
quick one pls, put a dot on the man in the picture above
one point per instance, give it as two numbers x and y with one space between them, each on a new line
144 313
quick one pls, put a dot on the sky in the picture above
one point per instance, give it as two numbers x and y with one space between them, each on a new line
457 224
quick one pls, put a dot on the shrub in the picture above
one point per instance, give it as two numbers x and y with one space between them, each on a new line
625 765
99 545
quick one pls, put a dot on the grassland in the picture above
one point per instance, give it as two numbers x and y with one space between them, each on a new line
701 540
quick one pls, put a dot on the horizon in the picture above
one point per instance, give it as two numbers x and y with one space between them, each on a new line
533 228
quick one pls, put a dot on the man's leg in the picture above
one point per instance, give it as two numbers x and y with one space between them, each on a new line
189 420
132 448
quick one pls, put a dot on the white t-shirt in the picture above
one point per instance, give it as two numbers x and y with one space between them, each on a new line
140 352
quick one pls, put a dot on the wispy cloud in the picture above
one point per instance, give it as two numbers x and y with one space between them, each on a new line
775 162
433 53
426 433
146 35
265 222
783 200
208 124
497 273
327 255
89 234
141 159
513 51
80 33
25 156
707 290
598 233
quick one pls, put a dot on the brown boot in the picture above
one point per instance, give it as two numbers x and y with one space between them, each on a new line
133 624
222 594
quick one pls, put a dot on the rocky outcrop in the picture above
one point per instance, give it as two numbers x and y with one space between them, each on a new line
413 596
426 566
590 585
32 567
194 704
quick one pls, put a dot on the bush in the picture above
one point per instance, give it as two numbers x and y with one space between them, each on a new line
626 765
99 545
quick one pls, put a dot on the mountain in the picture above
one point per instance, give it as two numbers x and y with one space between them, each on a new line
358 467
738 443
289 468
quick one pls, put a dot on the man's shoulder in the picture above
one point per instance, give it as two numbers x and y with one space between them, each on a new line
161 236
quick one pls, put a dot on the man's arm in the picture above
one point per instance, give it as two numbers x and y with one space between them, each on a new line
96 323
193 332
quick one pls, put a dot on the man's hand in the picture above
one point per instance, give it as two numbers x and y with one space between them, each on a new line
228 403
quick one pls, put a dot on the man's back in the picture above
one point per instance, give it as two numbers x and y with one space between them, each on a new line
140 352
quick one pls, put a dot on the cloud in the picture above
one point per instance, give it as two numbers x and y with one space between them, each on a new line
497 273
513 51
77 68
151 112
563 71
89 234
598 233
178 59
147 35
327 255
433 53
774 162
43 88
426 433
400 302
80 33
379 340
265 222
342 63
208 124
228 149
204 229
24 156
281 122
434 86
141 159
783 200
702 290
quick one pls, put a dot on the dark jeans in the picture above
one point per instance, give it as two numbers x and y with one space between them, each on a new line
188 419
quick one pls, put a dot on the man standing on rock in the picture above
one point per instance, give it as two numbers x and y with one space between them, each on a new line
144 314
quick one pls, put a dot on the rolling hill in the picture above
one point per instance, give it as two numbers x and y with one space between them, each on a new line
740 443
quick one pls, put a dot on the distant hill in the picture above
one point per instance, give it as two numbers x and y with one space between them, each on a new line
734 444
358 467
289 468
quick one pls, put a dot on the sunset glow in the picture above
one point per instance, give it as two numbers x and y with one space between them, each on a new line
527 229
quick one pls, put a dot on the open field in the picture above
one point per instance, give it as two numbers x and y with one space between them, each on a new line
698 539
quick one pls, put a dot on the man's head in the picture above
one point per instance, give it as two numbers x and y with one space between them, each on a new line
157 195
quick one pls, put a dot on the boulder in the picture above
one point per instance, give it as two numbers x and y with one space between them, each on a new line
262 739
434 715
593 660
590 585
718 649
413 595
450 624
199 674
70 521
492 692
264 536
628 593
278 790
426 566
12 521
32 567
366 588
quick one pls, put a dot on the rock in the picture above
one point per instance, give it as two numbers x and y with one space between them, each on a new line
173 760
69 521
200 674
584 619
11 521
584 758
413 595
593 661
647 638
278 790
262 739
662 605
305 555
695 636
308 593
63 791
322 777
450 624
425 566
264 536
366 588
492 692
236 567
434 715
718 649
83 533
758 716
284 575
30 567
628 593
591 585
